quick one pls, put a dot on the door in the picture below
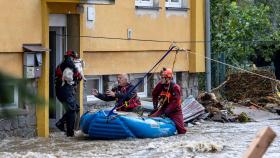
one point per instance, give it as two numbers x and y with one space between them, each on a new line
64 32
57 44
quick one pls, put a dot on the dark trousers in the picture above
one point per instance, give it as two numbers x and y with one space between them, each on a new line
69 118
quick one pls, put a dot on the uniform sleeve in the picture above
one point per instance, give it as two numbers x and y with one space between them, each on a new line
104 97
156 93
175 100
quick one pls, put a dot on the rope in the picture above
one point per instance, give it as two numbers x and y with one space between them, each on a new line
132 89
169 85
235 67
166 41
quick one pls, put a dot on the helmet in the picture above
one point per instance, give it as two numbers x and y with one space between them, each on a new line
71 53
167 73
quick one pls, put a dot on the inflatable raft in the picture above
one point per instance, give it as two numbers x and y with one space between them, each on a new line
99 125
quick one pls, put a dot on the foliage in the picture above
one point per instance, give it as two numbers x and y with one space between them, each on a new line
237 30
26 94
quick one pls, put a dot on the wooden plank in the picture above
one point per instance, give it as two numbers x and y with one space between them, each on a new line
260 144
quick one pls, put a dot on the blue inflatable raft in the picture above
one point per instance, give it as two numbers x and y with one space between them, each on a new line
118 126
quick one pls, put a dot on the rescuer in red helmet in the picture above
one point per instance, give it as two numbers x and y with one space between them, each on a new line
167 100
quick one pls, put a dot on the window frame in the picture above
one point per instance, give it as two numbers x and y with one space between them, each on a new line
170 4
141 3
92 98
13 105
140 76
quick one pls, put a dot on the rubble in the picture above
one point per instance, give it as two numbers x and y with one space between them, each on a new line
246 89
220 111
251 90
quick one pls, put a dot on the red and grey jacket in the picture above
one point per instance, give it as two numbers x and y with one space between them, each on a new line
125 104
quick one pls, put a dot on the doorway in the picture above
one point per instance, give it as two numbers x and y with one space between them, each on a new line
64 32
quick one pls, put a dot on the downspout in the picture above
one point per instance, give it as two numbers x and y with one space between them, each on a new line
208 45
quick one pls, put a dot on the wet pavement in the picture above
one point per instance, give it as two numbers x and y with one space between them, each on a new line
207 140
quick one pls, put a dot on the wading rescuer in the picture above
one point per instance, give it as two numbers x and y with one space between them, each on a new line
131 101
67 78
167 100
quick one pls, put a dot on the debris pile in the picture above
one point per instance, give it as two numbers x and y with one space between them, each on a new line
252 90
220 111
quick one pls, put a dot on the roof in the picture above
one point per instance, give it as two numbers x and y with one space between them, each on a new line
34 48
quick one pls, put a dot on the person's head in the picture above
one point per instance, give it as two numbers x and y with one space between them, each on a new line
72 54
166 76
122 79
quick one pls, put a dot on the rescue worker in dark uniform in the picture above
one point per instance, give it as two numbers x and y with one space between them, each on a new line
67 62
67 78
128 104
167 100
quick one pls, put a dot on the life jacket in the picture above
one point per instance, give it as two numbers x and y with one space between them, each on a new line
128 104
165 94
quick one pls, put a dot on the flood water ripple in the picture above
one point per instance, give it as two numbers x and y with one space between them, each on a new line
207 140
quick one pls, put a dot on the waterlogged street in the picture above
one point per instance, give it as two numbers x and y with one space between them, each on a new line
207 140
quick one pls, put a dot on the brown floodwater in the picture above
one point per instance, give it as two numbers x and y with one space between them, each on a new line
206 140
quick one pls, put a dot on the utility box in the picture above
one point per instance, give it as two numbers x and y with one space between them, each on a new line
32 60
32 64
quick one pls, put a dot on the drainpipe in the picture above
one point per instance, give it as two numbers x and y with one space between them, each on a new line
208 45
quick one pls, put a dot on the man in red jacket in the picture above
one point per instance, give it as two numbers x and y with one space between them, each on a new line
126 102
167 100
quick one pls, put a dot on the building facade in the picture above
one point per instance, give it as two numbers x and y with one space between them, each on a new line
111 36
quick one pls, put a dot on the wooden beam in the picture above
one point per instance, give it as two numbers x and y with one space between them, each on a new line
260 144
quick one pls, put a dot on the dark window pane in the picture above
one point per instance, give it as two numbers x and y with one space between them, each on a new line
8 96
139 88
92 84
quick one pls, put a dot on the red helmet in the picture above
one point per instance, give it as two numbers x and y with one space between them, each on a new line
71 53
167 73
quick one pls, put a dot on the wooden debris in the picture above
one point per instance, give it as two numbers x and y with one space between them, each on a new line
260 144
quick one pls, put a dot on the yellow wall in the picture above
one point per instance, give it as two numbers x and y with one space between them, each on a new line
114 20
197 54
130 62
11 63
20 23
26 21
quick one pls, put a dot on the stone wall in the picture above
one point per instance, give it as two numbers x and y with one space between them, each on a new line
188 83
20 122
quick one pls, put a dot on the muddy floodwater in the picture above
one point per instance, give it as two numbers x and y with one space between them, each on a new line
207 140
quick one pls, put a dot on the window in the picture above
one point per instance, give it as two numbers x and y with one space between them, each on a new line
142 88
93 82
97 1
12 100
173 3
144 3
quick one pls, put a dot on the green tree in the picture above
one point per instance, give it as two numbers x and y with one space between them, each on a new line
237 29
